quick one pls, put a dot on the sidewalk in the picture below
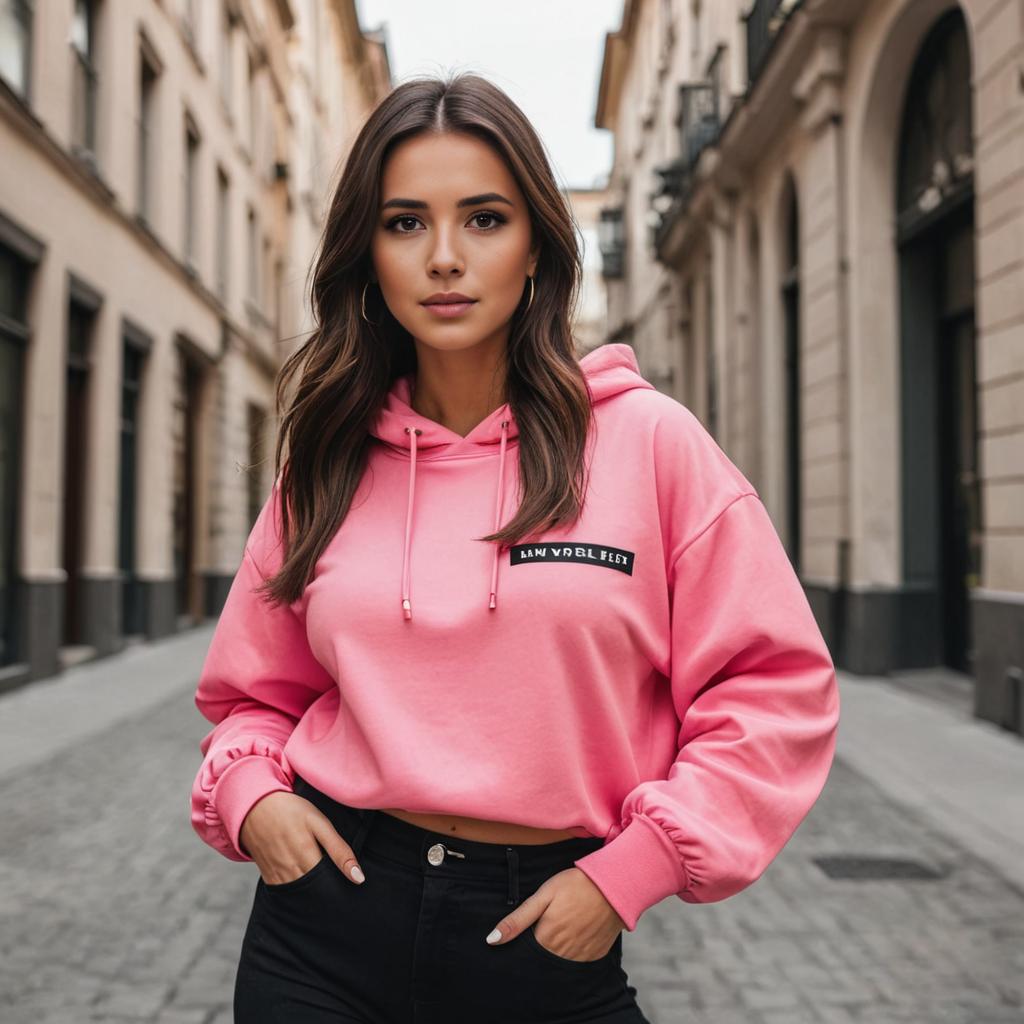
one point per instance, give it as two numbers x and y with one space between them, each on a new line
43 718
964 774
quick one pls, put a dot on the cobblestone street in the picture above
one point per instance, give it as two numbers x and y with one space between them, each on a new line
111 909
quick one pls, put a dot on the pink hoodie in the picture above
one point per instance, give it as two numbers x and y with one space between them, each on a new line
652 675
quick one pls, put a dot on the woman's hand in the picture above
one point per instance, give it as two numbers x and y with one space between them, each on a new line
281 832
578 923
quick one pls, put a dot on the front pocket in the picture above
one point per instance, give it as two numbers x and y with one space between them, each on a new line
534 943
296 883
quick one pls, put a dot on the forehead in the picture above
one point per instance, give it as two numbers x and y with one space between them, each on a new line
443 168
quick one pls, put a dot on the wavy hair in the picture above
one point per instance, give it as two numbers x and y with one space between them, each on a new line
341 374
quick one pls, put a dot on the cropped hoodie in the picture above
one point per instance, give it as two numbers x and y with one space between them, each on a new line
651 675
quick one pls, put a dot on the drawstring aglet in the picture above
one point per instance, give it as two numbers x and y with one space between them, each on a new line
493 601
407 607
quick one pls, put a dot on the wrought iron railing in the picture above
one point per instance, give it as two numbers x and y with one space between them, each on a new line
612 242
764 20
699 120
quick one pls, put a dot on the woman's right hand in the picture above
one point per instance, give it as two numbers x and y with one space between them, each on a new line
281 832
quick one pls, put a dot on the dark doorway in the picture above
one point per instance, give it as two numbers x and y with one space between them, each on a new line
135 347
15 274
76 447
940 486
791 400
186 418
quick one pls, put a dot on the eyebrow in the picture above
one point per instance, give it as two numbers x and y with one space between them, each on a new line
419 204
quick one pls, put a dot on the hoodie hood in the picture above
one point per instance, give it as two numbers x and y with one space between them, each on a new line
608 370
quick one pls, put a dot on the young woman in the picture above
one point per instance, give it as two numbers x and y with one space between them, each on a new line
514 651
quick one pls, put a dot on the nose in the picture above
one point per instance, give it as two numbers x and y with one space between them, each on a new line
444 255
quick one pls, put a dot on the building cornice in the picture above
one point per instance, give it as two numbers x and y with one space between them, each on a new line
617 46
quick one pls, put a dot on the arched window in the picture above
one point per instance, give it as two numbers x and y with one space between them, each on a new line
936 138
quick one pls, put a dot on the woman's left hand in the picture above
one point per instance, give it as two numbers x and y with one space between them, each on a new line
576 921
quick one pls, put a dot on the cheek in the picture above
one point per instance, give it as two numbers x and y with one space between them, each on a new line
393 266
502 272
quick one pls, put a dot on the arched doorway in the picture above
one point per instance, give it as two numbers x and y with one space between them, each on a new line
935 238
790 294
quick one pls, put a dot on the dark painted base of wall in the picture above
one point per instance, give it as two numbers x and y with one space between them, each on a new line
876 632
111 606
215 592
997 626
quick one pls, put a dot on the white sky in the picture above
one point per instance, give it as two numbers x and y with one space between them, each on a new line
545 55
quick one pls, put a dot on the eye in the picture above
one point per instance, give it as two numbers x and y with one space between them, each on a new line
392 225
492 215
397 220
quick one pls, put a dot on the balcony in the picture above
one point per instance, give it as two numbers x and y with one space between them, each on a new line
699 120
700 123
612 242
764 20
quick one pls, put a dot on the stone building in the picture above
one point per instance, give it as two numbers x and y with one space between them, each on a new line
164 174
816 242
591 311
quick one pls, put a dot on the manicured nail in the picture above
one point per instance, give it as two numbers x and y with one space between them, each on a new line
358 875
495 936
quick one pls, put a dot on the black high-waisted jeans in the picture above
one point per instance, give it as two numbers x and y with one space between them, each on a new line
408 945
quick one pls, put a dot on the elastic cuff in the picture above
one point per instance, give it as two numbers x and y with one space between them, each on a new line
637 869
240 785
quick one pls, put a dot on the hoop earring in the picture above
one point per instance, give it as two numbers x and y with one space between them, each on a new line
362 306
530 303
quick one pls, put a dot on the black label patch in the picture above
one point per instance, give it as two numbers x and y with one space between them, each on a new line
591 554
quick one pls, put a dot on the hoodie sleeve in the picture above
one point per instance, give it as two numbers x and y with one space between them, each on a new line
258 679
754 688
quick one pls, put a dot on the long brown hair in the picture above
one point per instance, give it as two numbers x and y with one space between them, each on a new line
343 372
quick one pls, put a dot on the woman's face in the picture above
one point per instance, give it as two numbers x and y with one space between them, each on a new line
452 219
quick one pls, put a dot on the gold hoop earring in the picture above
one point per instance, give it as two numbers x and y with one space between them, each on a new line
530 303
362 306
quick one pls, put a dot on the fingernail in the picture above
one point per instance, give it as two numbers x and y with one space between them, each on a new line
358 875
494 937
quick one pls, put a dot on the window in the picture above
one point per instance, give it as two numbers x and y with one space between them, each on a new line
266 276
191 185
146 134
222 235
227 25
190 23
16 44
253 254
317 42
278 297
696 41
251 102
83 92
256 418
15 274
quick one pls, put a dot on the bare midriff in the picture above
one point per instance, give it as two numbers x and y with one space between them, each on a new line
483 830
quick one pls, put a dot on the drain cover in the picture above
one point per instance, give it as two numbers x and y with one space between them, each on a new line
871 868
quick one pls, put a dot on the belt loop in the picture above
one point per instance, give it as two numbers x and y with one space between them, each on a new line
513 874
367 816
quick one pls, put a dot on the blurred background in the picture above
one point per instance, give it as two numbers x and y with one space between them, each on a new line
806 217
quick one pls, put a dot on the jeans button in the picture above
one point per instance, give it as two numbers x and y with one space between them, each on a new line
436 854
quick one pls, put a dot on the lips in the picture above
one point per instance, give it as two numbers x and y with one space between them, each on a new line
447 299
449 309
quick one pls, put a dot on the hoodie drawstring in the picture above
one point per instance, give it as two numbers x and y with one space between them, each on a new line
406 572
406 605
497 512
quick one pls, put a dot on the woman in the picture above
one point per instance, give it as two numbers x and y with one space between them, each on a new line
464 762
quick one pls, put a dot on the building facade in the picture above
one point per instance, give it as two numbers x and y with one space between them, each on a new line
592 305
162 188
817 243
